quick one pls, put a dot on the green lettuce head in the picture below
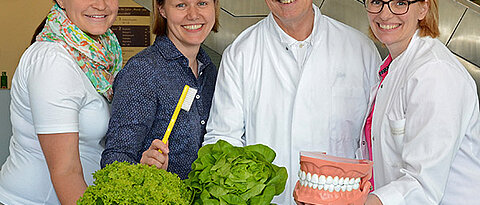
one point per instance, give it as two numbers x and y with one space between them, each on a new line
224 174
124 183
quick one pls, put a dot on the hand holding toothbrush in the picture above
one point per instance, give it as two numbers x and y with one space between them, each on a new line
157 153
152 156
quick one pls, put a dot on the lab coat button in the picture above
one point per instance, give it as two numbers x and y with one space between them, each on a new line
202 122
363 142
381 86
198 96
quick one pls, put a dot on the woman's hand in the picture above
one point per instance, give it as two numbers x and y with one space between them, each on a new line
152 156
372 199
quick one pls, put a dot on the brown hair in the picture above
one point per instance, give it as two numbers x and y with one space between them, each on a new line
159 26
39 28
428 26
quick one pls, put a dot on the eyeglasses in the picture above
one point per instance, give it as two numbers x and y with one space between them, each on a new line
397 7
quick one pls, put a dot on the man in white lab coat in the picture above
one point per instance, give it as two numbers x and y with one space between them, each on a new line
296 80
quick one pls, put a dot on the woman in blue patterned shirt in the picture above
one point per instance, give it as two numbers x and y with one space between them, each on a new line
148 87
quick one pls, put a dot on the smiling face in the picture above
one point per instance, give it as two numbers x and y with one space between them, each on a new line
93 17
188 21
290 11
395 31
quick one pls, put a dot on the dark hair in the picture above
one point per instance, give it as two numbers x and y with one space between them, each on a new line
40 28
159 26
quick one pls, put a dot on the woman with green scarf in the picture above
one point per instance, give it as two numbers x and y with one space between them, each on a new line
60 105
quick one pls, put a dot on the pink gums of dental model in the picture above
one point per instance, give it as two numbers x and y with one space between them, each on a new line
330 180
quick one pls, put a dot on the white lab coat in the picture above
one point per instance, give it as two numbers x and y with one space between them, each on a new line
426 129
256 100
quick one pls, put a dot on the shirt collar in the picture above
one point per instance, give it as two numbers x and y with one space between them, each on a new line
289 41
167 48
384 67
169 51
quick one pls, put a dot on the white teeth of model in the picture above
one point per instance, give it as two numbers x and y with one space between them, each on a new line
344 187
286 1
349 187
352 181
346 181
325 187
315 181
340 181
321 179
315 178
335 180
302 182
329 180
337 188
357 180
331 187
310 184
299 174
304 175
320 187
309 176
356 186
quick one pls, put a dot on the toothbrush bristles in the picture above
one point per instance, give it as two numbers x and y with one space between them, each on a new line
187 103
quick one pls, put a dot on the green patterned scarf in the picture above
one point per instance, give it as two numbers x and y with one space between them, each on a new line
100 60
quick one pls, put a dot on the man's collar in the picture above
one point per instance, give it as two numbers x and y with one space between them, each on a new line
286 39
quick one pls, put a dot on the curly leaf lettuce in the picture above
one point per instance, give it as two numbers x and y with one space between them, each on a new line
224 174
123 183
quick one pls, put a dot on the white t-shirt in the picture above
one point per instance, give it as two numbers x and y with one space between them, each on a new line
50 94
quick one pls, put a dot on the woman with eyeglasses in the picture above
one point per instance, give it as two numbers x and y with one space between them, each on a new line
423 130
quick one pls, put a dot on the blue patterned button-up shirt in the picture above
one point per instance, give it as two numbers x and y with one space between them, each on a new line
146 92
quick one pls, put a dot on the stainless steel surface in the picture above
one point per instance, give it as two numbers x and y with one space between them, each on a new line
349 12
145 3
470 4
450 14
465 41
240 8
230 27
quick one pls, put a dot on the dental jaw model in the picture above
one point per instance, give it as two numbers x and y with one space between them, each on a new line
330 180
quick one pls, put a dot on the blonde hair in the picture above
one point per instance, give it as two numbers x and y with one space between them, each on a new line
429 25
159 26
